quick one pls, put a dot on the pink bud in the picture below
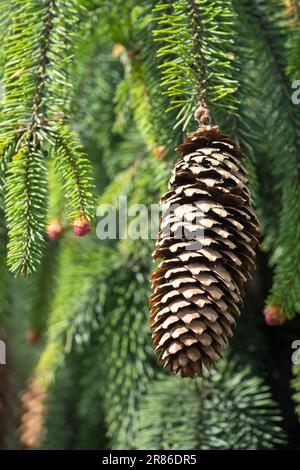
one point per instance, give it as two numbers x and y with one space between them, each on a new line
32 337
274 315
81 226
54 229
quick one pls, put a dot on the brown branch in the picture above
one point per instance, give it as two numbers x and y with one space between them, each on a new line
201 115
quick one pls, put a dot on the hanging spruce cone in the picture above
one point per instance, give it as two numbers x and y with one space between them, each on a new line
32 411
207 242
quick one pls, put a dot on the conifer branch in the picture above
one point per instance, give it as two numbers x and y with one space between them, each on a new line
296 387
4 278
284 159
128 361
75 173
193 37
72 318
38 52
41 291
203 409
285 289
26 203
294 41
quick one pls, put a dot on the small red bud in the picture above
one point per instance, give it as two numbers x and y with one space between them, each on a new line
32 337
57 117
54 229
158 151
274 315
81 226
117 50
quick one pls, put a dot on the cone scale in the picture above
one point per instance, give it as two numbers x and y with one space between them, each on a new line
206 244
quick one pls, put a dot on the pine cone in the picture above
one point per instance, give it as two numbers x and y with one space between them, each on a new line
32 412
207 242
